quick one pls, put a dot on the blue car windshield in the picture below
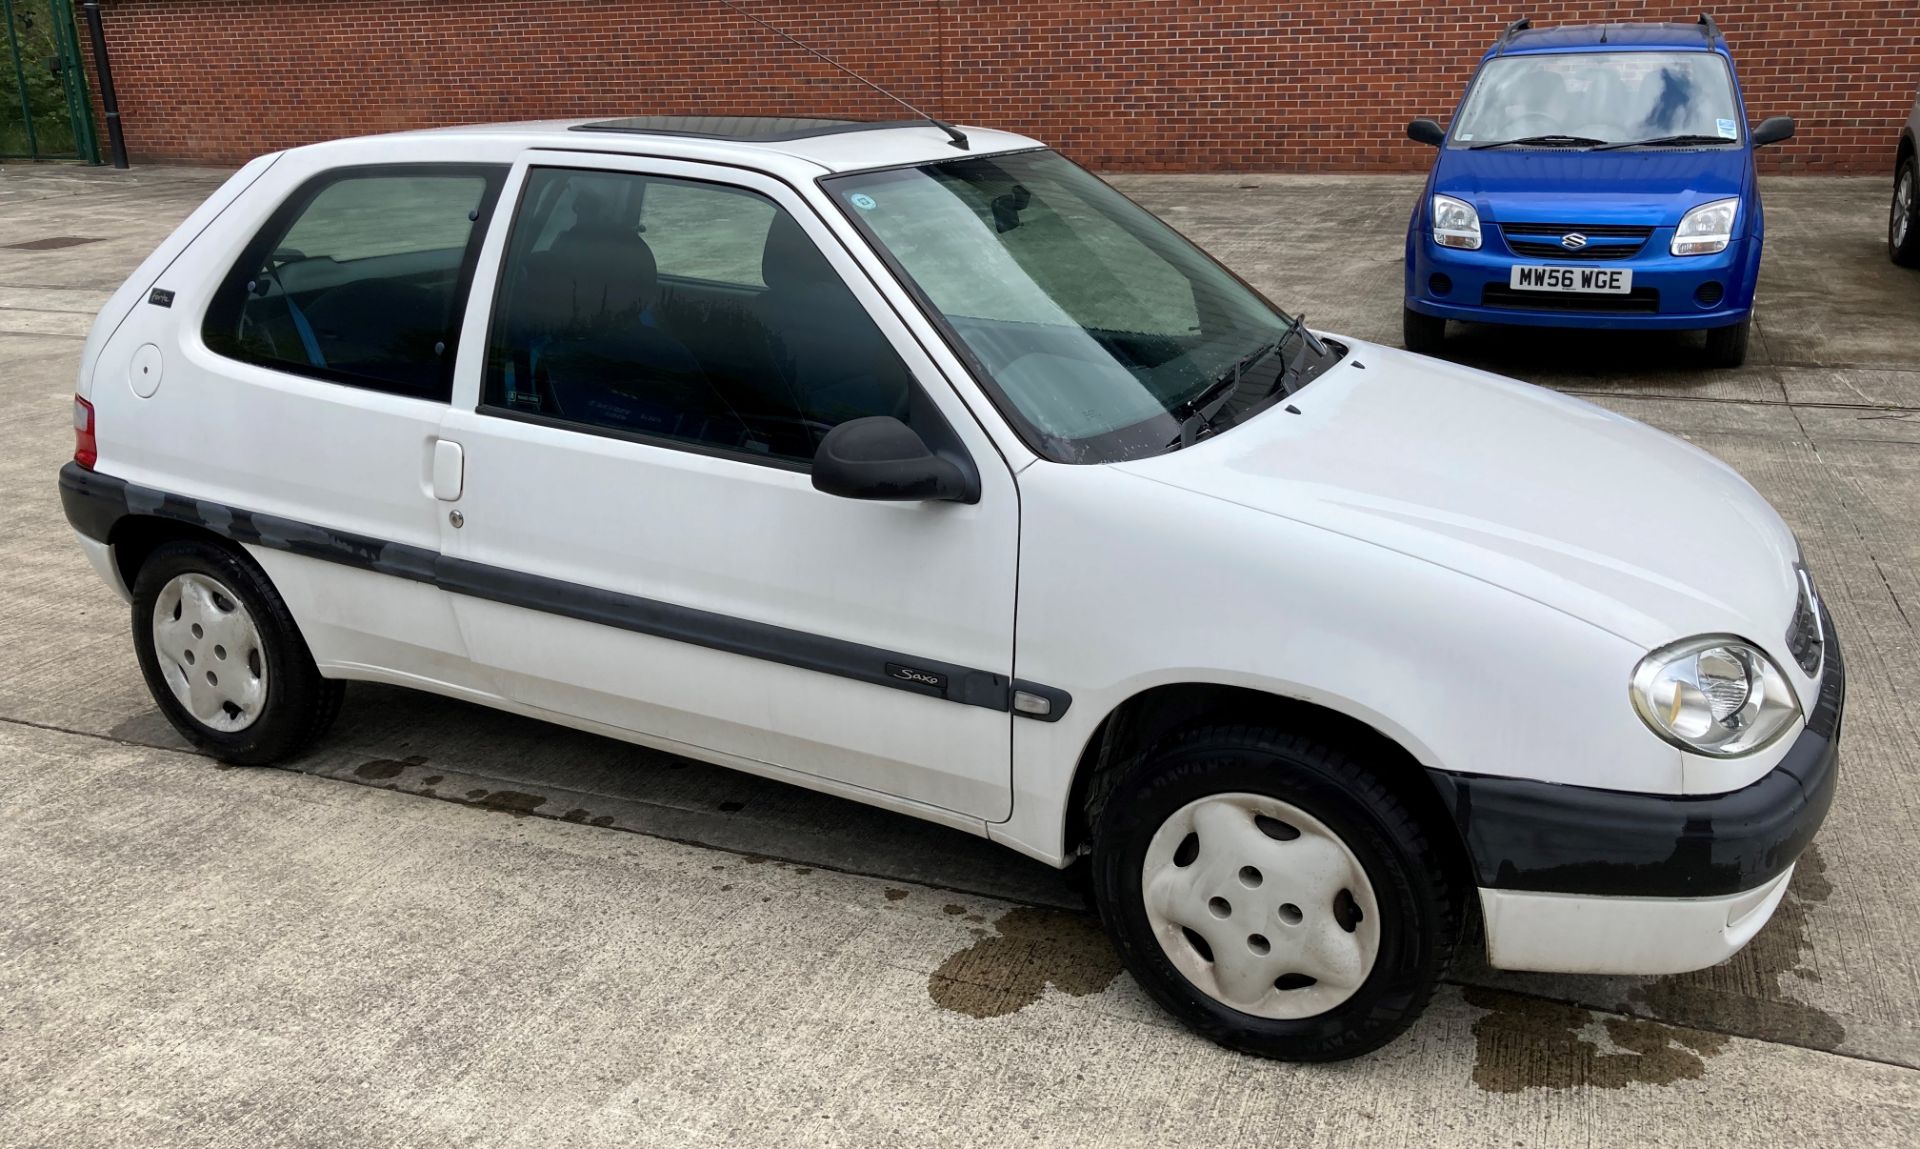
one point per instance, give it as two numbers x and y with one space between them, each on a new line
1589 98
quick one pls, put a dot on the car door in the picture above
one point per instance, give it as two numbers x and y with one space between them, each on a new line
639 545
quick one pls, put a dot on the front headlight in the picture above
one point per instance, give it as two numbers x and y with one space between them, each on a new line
1455 223
1714 695
1706 229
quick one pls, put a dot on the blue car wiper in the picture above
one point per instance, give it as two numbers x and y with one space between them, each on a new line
1667 142
1553 141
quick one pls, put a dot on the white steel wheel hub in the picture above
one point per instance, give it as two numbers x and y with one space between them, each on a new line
210 653
1261 906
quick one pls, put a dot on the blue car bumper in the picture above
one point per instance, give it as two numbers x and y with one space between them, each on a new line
1669 292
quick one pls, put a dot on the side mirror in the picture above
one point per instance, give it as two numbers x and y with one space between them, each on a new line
1772 130
879 457
1426 132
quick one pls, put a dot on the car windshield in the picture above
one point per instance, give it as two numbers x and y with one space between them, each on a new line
1099 327
1600 98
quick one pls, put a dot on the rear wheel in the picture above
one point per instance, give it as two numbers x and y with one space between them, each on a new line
1903 218
1421 333
1727 346
222 657
1273 892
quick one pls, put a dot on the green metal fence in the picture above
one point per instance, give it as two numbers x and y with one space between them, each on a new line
49 117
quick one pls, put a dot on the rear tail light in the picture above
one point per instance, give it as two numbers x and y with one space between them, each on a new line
86 450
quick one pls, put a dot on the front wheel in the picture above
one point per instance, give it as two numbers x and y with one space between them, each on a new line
1727 346
223 658
1420 333
1274 893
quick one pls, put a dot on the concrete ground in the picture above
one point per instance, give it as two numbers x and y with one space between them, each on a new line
581 942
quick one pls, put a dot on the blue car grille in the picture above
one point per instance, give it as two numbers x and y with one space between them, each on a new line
1602 240
1639 301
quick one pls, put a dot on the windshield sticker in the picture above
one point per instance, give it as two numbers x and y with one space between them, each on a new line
1466 136
1727 130
865 202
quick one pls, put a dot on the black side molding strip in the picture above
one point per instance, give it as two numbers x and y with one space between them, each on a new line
1548 838
95 503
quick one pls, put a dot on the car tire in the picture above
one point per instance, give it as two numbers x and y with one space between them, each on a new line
1354 917
202 611
1420 333
1727 346
1903 217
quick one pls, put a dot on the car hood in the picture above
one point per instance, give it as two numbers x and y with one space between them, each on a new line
1553 498
1651 188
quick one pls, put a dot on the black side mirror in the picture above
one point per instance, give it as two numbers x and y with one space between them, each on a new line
879 457
1426 132
1772 130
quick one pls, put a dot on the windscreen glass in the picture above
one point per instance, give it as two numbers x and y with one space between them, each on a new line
1601 97
1097 324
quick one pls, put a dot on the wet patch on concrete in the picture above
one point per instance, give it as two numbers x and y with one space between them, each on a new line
508 802
1531 1043
380 769
1746 995
1028 949
894 894
584 817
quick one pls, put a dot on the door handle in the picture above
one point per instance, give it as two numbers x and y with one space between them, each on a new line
449 470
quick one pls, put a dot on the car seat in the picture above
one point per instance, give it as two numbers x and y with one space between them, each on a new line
835 362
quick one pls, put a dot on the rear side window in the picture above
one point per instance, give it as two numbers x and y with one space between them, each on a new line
361 278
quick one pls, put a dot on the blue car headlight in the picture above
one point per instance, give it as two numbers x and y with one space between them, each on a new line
1706 229
1455 223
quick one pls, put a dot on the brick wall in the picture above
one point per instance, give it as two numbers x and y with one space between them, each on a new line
1206 85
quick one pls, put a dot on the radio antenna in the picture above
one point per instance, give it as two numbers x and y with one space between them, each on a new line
958 137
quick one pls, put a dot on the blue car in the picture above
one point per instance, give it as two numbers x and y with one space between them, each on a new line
1594 176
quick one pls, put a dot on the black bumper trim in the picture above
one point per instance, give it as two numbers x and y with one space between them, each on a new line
1548 838
95 502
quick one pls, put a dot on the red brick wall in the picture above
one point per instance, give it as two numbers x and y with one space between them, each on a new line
1206 85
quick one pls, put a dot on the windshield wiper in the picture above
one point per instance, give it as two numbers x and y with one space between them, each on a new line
1196 414
1667 142
1308 342
1552 141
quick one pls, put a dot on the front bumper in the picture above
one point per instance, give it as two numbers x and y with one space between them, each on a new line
1604 881
1665 295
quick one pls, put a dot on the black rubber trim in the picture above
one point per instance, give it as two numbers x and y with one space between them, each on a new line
95 502
1547 838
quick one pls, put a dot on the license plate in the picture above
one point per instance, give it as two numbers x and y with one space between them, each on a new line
1596 280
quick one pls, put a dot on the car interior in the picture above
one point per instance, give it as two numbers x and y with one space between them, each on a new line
591 331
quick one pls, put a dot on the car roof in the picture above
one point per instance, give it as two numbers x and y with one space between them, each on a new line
1643 36
802 146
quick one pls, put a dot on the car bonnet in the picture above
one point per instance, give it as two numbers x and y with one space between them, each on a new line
1553 498
1650 187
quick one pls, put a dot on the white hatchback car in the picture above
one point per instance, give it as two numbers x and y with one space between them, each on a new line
936 474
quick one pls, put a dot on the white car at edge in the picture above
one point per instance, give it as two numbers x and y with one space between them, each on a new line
936 474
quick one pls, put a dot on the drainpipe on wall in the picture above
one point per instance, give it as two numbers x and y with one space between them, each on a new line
109 102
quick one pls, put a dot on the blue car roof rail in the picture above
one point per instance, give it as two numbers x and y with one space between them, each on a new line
1710 28
1513 29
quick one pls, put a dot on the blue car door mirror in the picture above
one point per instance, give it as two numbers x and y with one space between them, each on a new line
1772 130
